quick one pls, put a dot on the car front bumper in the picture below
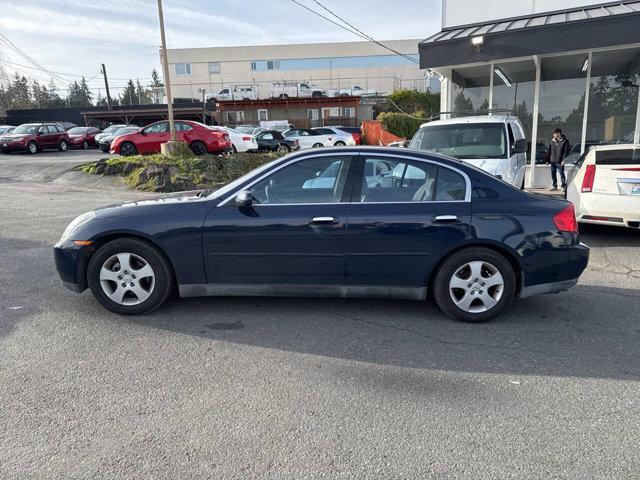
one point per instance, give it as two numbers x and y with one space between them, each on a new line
12 146
71 264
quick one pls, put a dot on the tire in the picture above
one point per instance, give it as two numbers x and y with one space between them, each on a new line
317 145
198 148
283 149
234 149
63 146
32 147
85 145
143 293
127 149
340 144
474 301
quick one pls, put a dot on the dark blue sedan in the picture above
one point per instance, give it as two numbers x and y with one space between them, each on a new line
344 222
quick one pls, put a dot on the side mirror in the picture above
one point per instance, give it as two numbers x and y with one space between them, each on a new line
142 132
40 132
244 199
521 146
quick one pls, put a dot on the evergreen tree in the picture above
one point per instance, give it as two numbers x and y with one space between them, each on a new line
155 79
142 95
129 94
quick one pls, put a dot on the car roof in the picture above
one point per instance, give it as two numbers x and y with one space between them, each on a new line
616 146
502 119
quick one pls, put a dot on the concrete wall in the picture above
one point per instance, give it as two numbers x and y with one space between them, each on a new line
235 67
463 12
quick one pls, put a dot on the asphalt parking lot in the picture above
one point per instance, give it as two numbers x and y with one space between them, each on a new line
239 388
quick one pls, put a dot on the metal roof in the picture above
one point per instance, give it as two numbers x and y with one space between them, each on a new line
537 21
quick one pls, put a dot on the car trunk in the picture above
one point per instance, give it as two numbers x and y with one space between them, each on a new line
616 172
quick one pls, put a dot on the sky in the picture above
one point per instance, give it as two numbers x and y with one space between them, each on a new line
73 37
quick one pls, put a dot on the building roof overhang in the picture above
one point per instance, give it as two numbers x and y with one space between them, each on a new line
606 25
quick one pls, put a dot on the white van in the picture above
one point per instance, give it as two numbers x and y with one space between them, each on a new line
235 92
493 143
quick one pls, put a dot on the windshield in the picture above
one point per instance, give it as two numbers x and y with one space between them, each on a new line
122 131
239 181
78 131
245 129
472 140
26 129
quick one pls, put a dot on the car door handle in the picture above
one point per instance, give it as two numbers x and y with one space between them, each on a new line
446 219
324 220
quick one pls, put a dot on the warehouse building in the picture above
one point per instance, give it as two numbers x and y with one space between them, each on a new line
197 71
577 68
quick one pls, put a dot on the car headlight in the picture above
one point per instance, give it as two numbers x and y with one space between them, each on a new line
76 223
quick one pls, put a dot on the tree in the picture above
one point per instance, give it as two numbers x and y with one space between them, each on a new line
155 79
142 94
129 94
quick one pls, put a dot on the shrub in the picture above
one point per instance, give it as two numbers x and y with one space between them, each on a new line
400 124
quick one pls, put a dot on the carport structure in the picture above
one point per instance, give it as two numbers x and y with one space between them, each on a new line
145 114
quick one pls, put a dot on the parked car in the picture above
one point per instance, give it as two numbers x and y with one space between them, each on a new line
295 90
83 137
241 142
67 125
201 138
252 130
35 137
338 137
109 130
106 138
606 187
495 143
471 241
354 91
6 129
356 132
273 140
311 138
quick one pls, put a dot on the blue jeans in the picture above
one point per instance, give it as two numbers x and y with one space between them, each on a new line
555 167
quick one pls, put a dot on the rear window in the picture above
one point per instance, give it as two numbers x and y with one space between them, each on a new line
618 157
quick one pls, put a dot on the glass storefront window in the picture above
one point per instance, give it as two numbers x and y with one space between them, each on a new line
470 89
562 97
613 96
513 90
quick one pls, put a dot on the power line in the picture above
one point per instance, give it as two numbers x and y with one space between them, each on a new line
28 58
351 28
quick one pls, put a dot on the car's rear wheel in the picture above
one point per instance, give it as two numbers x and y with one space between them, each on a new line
127 149
32 147
198 148
474 285
63 146
283 149
85 145
129 277
318 145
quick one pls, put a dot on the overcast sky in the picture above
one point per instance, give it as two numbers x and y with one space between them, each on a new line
75 36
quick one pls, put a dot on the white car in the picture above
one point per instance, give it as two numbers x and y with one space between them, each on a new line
338 137
312 138
606 186
241 142
495 143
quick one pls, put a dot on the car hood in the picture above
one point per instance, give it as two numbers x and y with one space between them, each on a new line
131 206
15 136
489 165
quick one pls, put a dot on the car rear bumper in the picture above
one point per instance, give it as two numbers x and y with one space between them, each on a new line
574 263
608 209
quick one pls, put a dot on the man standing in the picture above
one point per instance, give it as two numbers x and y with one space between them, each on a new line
558 151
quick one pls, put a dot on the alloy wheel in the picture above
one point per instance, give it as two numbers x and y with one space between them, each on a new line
33 148
476 287
127 279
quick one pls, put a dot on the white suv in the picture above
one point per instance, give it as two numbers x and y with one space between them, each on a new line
494 143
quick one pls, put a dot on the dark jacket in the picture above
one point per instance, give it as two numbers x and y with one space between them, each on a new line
558 150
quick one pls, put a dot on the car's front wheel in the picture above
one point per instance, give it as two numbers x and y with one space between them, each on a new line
85 145
63 146
340 144
32 147
129 277
318 145
127 149
474 285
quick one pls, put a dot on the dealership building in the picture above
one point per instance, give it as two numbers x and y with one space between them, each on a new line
327 65
577 68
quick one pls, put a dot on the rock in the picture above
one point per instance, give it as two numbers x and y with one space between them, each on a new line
129 167
182 183
163 183
153 171
100 167
111 170
172 170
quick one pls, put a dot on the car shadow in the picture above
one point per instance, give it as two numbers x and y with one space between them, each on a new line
607 236
575 334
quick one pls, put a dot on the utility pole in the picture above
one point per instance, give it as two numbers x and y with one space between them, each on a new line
165 69
106 86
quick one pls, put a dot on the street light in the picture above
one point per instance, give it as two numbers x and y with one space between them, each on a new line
165 69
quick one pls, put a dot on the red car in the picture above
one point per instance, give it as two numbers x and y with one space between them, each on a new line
201 138
34 137
83 137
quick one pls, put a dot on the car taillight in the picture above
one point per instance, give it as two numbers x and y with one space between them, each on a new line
356 137
565 220
246 139
589 177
